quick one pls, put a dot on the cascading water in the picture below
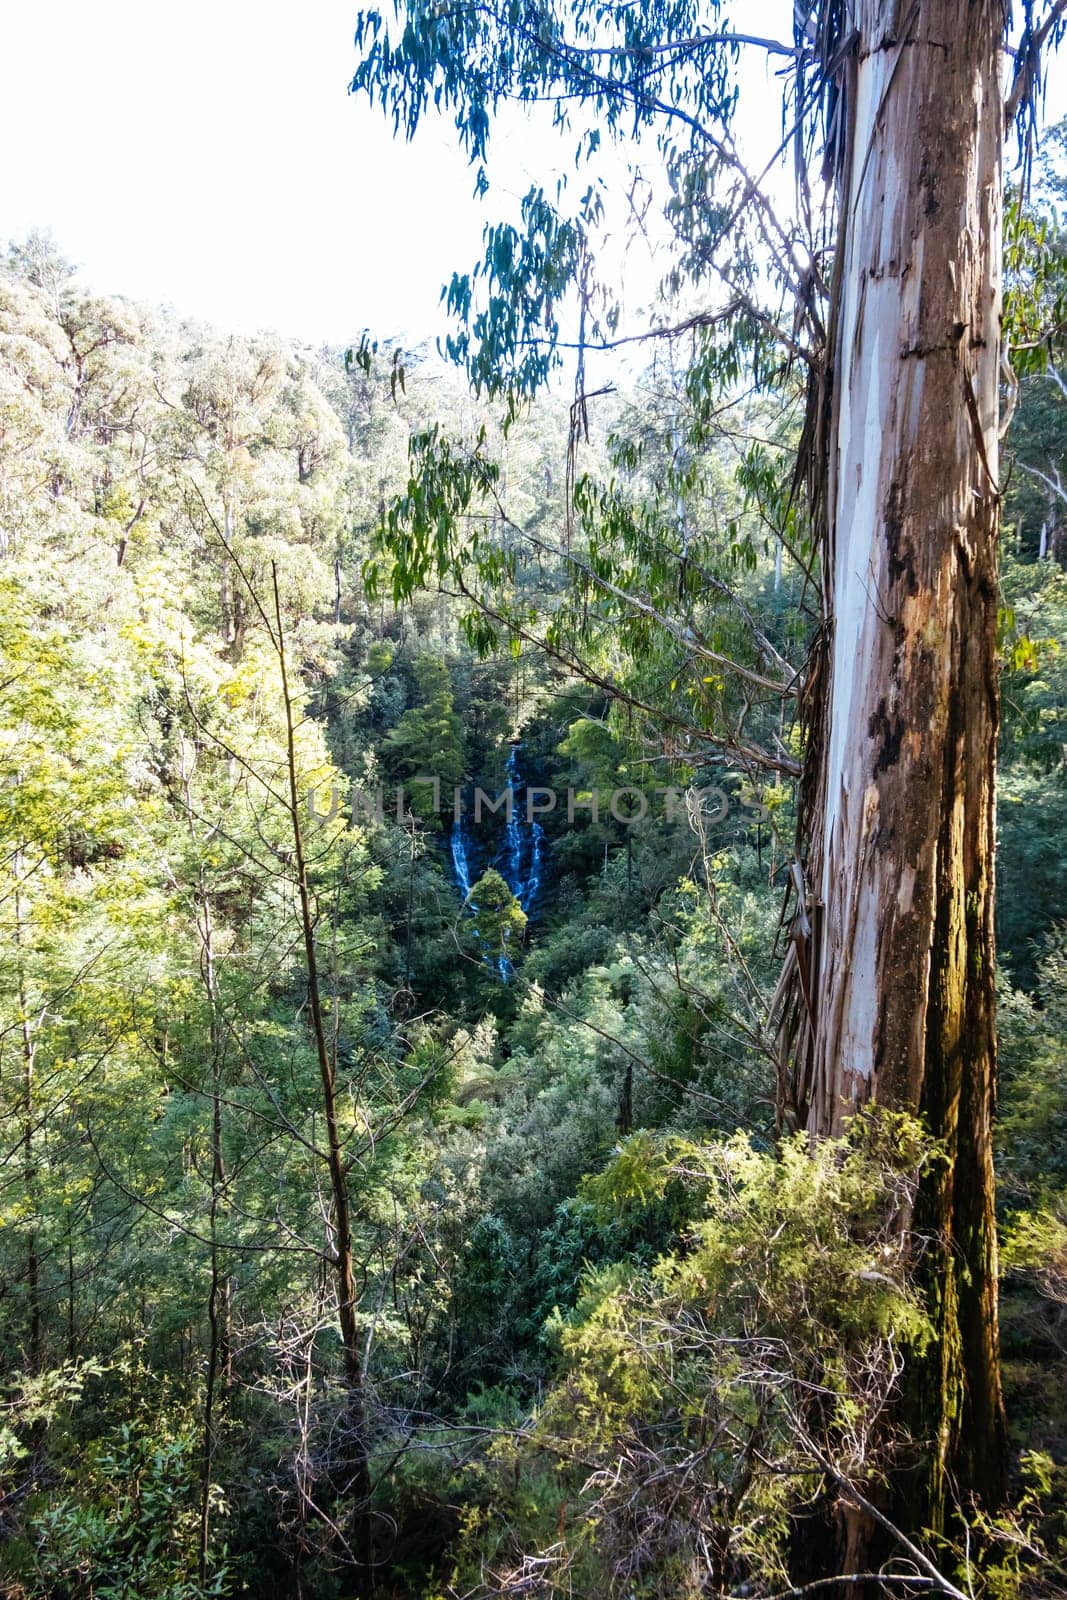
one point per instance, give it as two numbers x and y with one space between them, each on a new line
462 847
524 851
538 861
521 861
509 860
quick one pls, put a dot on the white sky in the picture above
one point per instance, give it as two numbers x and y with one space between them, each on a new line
208 156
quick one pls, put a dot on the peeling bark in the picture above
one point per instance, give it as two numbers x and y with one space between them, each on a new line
901 819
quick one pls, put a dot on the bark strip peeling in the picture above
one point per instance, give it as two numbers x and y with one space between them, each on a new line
900 864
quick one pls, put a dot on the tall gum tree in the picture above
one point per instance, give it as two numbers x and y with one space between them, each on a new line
900 854
895 304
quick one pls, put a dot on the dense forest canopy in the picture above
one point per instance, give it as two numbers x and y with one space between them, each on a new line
426 1170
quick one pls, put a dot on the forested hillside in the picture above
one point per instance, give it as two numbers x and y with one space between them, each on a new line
399 1196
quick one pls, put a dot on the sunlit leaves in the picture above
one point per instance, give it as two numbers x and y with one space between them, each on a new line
508 343
659 70
1035 273
425 531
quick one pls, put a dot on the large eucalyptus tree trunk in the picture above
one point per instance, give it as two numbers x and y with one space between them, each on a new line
899 952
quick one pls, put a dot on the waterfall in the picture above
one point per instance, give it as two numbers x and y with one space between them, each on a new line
524 850
521 860
509 861
462 847
538 859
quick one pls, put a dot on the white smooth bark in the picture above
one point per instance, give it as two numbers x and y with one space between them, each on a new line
895 947
912 497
